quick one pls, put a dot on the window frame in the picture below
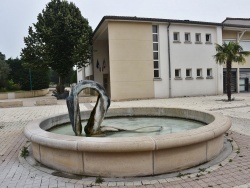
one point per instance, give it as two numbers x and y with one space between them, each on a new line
199 38
155 26
156 54
200 71
178 37
188 35
189 74
210 38
209 73
177 77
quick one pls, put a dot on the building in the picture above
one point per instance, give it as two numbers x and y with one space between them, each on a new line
136 58
238 29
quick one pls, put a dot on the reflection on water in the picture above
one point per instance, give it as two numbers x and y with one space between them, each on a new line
145 126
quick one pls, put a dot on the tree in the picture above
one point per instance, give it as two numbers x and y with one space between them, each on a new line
4 71
60 39
19 74
226 54
71 78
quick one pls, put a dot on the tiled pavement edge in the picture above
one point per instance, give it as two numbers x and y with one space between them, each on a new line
236 172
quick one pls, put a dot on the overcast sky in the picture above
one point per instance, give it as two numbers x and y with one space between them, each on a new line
17 15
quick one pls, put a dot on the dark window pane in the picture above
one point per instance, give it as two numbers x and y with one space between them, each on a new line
156 64
155 46
156 73
155 55
175 36
177 73
155 38
186 37
197 37
198 72
208 38
154 29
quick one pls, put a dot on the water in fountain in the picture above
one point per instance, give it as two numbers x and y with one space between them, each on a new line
139 126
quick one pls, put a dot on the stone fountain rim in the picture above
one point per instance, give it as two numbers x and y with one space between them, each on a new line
217 126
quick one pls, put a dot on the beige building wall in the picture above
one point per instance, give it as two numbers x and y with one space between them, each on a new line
230 35
233 35
131 60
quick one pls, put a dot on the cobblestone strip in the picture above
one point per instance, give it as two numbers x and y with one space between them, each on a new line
10 168
8 133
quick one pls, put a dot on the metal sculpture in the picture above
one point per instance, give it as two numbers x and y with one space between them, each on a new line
97 115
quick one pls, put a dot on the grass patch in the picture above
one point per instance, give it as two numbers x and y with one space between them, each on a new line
99 180
24 152
202 169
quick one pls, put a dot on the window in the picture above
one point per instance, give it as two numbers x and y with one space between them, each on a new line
156 73
176 37
156 51
245 45
155 37
208 38
156 57
209 73
155 46
156 64
189 73
177 73
155 33
197 38
199 74
187 37
154 29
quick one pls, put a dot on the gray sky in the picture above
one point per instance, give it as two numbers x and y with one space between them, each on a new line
17 15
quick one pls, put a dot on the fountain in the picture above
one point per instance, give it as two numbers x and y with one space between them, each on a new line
124 156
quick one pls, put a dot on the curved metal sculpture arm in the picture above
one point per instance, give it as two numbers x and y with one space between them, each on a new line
97 114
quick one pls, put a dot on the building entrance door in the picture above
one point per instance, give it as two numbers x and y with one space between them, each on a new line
244 80
244 85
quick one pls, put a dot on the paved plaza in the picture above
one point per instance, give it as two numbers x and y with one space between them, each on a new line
234 171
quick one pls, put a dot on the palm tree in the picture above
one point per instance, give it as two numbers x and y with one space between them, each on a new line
226 54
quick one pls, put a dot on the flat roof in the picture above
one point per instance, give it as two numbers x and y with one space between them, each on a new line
142 19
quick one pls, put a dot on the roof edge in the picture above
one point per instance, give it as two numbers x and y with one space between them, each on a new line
131 18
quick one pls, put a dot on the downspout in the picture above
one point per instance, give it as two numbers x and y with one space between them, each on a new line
169 63
222 28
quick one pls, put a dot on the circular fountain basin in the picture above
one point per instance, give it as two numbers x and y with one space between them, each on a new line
129 156
136 126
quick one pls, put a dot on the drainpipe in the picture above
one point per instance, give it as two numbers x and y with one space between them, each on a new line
169 63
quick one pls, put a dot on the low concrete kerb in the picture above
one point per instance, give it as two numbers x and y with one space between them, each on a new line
41 102
9 104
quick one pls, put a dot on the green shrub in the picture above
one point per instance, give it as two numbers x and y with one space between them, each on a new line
13 86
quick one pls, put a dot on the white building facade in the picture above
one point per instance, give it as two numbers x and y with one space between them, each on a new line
189 56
